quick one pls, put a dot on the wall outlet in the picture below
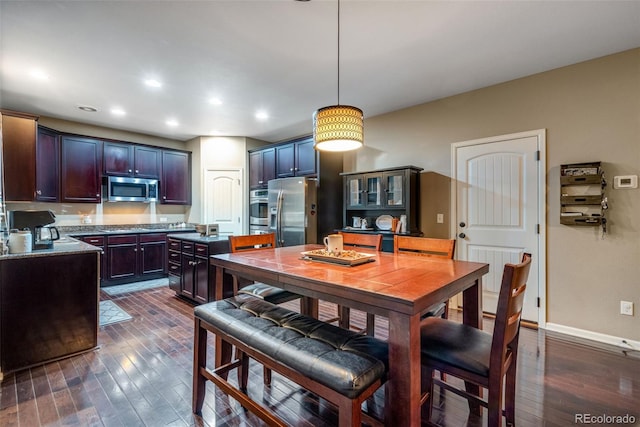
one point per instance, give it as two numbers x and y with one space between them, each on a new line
626 308
440 218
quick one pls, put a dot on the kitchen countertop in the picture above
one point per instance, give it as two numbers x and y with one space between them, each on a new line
64 246
110 230
196 237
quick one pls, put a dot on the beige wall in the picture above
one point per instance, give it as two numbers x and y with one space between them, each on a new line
591 112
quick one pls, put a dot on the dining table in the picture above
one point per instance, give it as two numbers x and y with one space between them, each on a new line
397 286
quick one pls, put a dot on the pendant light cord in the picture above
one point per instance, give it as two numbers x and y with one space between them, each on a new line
338 52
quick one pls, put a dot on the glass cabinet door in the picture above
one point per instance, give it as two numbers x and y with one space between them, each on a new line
374 190
354 192
394 189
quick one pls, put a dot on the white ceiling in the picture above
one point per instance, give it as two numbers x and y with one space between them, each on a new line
281 56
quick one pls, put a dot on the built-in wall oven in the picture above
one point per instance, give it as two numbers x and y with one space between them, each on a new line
259 211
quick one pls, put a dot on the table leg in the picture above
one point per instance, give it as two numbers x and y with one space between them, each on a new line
472 316
219 290
309 307
402 398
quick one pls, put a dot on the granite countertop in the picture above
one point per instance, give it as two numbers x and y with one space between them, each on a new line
196 237
106 230
64 246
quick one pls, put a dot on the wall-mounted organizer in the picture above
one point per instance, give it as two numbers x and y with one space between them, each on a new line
582 194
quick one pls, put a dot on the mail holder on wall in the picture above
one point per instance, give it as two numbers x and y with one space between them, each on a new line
582 194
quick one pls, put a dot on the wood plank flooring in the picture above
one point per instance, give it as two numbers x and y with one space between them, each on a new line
141 376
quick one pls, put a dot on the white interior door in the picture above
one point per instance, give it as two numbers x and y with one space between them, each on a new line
223 200
499 213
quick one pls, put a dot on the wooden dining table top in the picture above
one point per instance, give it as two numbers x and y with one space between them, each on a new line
397 282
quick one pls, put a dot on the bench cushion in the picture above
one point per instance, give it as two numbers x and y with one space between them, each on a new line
342 360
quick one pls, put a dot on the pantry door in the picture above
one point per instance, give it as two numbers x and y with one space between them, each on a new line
499 211
223 200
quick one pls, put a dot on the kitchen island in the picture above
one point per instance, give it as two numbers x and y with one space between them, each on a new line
48 304
190 275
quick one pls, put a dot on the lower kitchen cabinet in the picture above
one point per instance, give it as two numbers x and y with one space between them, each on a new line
133 257
48 309
190 275
98 241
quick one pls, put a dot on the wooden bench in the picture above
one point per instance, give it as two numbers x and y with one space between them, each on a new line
339 365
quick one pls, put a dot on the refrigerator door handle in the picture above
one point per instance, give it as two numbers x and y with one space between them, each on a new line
279 203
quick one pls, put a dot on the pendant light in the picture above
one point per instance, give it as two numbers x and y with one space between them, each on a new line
338 127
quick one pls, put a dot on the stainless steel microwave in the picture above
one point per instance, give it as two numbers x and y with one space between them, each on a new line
122 189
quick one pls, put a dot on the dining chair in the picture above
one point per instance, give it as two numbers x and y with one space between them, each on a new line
272 294
358 241
429 247
479 358
252 242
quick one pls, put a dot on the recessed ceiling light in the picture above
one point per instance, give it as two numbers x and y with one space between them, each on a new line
215 101
153 83
38 74
262 115
172 122
118 112
87 108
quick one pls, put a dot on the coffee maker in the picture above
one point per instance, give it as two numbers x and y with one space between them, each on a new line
38 223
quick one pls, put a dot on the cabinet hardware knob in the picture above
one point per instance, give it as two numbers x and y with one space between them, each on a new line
38 192
135 250
130 171
98 195
142 249
137 171
462 235
290 169
463 224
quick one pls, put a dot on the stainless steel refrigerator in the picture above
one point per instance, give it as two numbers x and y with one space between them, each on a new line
293 210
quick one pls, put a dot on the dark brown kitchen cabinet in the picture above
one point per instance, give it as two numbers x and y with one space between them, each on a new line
47 165
175 183
99 242
80 170
48 309
296 158
195 271
393 192
262 167
122 257
133 257
153 249
19 152
121 159
190 275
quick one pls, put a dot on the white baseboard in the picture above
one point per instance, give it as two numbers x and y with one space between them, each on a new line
594 336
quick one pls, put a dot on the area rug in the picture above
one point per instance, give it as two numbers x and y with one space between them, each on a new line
110 313
136 286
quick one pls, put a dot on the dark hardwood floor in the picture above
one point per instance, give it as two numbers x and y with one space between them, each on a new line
141 376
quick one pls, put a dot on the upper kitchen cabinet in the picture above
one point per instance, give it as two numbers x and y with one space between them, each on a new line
131 160
19 152
47 165
80 169
262 167
175 183
296 158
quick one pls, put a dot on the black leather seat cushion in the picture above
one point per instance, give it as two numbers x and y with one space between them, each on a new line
342 360
268 293
456 344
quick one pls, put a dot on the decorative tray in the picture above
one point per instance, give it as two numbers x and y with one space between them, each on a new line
349 258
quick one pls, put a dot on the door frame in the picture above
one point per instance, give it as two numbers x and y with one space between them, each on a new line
540 134
244 224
